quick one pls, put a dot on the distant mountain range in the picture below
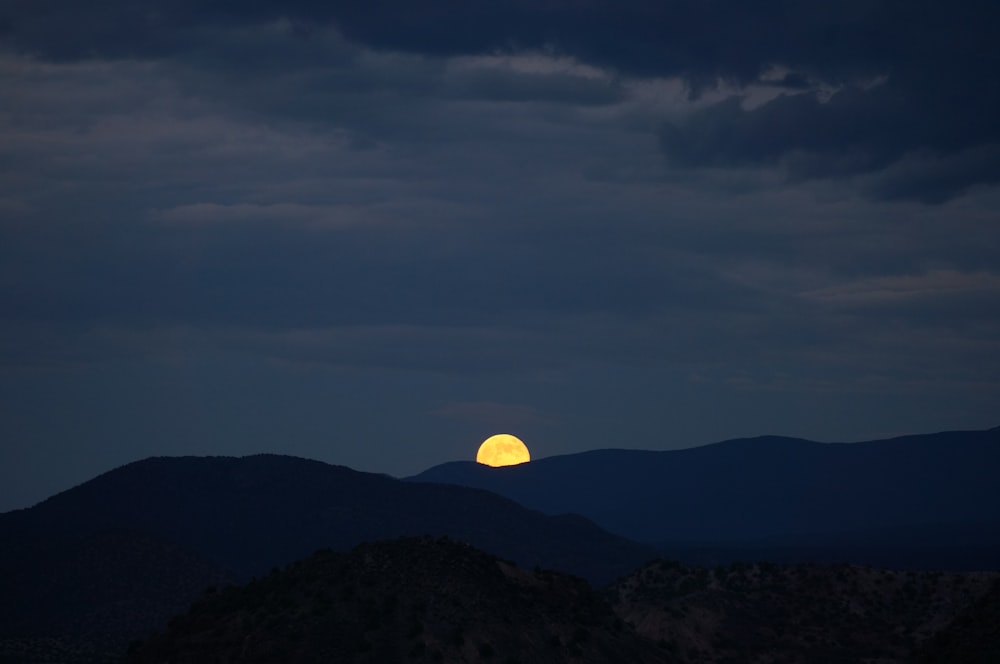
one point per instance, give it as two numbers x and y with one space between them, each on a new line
909 501
86 571
111 559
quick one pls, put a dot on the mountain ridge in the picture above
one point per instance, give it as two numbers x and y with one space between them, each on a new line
209 520
436 600
411 599
203 521
764 490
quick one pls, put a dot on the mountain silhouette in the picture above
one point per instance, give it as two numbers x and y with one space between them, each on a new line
91 568
929 492
436 600
412 599
759 613
156 532
81 598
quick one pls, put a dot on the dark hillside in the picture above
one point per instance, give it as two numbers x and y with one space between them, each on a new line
418 599
425 599
81 597
103 563
776 492
760 613
972 638
249 514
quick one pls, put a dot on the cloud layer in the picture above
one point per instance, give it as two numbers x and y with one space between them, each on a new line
369 234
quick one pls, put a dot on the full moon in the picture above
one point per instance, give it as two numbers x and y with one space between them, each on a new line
502 449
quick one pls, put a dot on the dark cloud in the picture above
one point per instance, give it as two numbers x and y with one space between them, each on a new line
938 92
722 38
318 228
934 178
929 151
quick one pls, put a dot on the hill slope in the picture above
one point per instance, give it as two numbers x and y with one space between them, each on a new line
769 490
419 600
758 613
193 521
972 638
81 598
426 599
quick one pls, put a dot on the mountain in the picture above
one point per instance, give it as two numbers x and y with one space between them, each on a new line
413 599
90 593
972 638
933 494
758 613
108 560
436 600
89 569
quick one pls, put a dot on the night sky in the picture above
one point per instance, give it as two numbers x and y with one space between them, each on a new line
374 233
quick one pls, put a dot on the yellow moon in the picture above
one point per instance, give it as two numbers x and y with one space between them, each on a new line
502 449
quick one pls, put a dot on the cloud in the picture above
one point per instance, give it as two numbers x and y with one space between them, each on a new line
349 209
933 284
926 154
934 101
934 178
531 77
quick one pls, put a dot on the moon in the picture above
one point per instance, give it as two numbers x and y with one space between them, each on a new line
503 449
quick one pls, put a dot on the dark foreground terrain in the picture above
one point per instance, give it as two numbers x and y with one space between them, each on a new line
436 600
89 570
417 600
800 613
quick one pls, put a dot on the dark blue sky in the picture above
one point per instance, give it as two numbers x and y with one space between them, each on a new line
375 233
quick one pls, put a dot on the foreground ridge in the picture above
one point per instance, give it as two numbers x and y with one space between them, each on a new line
764 612
412 599
440 600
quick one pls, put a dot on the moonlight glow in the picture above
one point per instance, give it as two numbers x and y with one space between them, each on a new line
502 449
